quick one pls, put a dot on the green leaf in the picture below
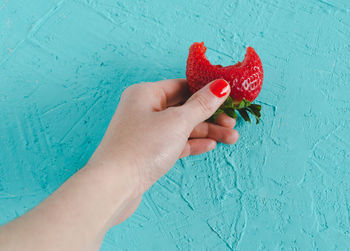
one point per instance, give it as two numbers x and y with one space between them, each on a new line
228 103
247 102
256 113
244 115
231 112
241 105
256 107
243 108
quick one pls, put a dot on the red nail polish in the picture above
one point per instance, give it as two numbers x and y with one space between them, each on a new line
219 88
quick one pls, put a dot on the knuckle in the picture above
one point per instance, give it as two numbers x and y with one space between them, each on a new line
127 91
179 116
131 90
161 96
205 106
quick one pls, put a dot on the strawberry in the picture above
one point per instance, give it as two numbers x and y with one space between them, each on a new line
245 79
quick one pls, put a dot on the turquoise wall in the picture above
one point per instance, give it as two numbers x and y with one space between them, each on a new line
284 186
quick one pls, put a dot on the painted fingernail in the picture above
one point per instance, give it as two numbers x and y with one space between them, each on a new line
219 88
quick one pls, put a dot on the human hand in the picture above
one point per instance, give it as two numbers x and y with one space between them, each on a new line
155 124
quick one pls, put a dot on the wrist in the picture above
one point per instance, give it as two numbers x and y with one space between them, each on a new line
121 172
116 188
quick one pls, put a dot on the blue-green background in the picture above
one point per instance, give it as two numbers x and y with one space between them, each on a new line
284 186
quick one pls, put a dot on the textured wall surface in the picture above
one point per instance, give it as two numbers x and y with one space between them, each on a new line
284 186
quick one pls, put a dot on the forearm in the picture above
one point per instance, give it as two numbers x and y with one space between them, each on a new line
77 215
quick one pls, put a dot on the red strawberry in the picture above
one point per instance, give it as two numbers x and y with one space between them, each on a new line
245 79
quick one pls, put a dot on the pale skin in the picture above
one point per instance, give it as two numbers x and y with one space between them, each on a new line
154 125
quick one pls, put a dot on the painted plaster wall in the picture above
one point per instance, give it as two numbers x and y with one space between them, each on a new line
284 186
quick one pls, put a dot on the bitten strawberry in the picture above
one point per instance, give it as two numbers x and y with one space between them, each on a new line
245 79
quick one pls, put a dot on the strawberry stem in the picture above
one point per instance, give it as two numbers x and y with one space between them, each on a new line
243 108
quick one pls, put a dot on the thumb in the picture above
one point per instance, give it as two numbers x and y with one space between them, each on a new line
204 103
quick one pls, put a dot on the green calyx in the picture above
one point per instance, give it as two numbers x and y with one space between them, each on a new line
243 108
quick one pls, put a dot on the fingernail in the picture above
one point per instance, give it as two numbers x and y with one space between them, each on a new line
219 88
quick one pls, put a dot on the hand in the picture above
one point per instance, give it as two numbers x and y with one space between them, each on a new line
155 124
